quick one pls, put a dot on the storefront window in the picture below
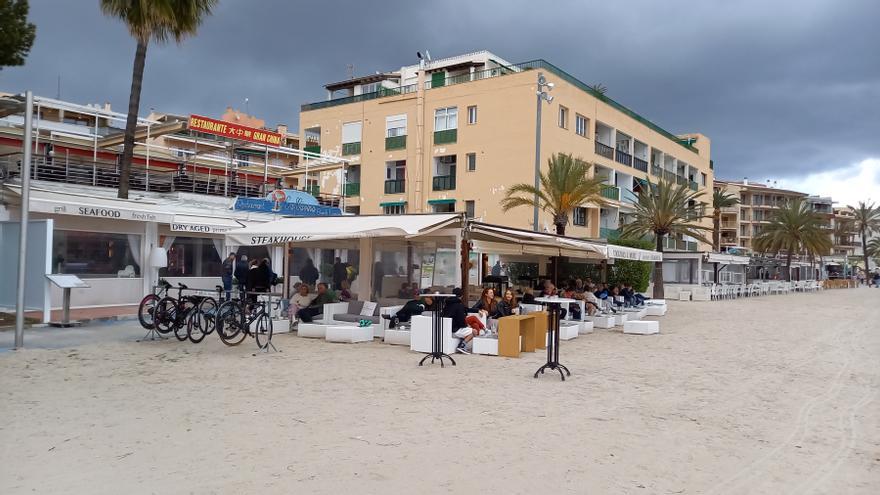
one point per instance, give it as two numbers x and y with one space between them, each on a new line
193 257
96 254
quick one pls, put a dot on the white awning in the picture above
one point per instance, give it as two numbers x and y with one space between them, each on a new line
527 242
728 259
66 203
629 253
299 229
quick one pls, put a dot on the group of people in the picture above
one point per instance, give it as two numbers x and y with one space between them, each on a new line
252 276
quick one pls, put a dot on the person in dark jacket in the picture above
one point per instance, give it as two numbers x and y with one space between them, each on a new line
411 308
457 312
339 273
309 274
316 308
486 305
241 272
228 270
507 306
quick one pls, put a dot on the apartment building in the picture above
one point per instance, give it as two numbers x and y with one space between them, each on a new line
846 239
742 223
454 134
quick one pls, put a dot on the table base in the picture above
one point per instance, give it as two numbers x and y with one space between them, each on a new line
438 357
554 366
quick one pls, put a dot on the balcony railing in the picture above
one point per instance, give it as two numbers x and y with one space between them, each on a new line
395 143
395 186
670 244
681 181
694 185
604 150
656 171
351 148
611 192
382 93
446 137
443 183
669 176
316 149
624 158
640 164
628 196
606 233
313 189
352 189
729 225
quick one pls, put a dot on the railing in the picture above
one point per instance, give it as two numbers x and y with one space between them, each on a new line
640 164
395 186
623 157
604 150
628 196
681 181
443 183
657 171
694 185
669 176
611 192
678 245
351 148
313 189
316 149
606 233
730 209
395 143
352 189
475 76
382 93
446 137
729 225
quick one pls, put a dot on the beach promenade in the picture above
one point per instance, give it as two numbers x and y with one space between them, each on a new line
770 395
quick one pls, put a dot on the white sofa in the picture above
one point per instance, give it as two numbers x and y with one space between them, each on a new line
421 335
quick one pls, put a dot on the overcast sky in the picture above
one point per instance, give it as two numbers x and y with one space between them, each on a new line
787 90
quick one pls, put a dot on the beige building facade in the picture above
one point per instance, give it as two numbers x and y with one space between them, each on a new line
455 134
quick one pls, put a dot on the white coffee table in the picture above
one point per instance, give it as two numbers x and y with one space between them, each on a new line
349 334
311 330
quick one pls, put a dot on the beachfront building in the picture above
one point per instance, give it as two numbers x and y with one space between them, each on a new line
454 134
188 187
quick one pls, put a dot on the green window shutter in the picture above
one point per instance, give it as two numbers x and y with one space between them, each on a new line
438 79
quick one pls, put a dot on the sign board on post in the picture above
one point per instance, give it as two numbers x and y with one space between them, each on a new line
233 130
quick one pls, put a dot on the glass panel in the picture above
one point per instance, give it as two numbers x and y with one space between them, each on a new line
193 257
95 254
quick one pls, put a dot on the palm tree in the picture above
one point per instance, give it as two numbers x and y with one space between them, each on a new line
843 229
720 199
867 221
664 209
793 228
159 21
564 187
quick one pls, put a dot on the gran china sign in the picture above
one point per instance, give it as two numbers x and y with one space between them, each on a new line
234 131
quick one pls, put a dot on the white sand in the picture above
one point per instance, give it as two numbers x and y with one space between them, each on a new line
772 395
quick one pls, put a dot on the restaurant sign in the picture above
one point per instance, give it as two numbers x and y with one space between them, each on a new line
200 228
285 208
233 130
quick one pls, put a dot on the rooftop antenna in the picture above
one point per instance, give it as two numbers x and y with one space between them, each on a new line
58 93
424 59
350 70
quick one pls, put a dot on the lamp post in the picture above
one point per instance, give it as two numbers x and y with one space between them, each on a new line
542 95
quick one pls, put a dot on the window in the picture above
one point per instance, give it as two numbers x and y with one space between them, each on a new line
470 208
703 179
96 254
472 114
580 216
395 126
351 132
446 119
581 125
370 88
193 257
443 207
471 162
396 209
563 117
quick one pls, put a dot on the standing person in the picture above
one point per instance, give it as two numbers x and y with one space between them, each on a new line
228 271
339 273
309 274
316 307
496 268
378 277
241 272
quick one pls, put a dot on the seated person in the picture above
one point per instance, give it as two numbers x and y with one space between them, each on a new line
508 305
615 296
414 307
344 292
302 299
316 307
548 290
486 306
574 308
601 291
528 296
405 292
591 302
456 310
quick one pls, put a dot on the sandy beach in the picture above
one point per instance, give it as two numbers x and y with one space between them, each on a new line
771 395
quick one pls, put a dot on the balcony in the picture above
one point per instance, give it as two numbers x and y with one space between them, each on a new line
382 93
606 233
628 196
604 150
729 225
395 186
624 158
611 192
443 183
681 181
670 244
693 184
669 176
640 164
656 171
448 136
730 209
316 149
395 143
352 189
351 148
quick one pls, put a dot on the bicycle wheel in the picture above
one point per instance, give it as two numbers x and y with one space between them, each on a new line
263 331
200 321
147 311
231 323
166 314
181 329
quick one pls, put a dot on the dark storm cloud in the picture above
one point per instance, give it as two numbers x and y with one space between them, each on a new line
783 88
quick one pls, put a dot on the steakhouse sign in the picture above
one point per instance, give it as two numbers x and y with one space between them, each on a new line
234 131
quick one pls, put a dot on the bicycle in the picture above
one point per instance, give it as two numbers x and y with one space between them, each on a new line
203 319
147 307
171 313
235 317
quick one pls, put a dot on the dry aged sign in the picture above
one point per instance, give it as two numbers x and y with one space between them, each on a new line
234 131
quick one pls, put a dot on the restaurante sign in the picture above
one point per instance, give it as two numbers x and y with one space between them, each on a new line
233 131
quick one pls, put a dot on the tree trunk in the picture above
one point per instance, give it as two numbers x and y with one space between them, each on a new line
865 250
658 270
560 229
716 230
134 101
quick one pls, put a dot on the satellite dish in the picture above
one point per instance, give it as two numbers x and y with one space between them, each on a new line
428 55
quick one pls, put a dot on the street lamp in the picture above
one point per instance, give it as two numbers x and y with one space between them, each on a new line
542 95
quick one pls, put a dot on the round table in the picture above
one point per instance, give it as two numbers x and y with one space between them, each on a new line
554 306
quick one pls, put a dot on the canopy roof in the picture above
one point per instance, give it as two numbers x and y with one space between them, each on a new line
729 259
